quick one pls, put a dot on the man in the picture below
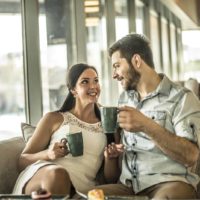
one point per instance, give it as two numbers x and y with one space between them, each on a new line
161 128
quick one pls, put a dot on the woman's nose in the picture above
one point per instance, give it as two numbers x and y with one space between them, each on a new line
93 85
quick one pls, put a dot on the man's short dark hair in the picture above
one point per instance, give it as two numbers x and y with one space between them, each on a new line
133 44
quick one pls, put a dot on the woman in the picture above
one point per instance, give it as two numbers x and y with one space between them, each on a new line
53 168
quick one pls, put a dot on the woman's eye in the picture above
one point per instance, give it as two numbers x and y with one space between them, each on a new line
84 81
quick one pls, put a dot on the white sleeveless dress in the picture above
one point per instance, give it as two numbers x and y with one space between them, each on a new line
82 169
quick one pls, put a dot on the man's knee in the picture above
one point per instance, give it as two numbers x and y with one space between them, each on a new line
174 190
116 189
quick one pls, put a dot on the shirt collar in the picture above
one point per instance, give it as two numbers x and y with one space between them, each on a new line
163 87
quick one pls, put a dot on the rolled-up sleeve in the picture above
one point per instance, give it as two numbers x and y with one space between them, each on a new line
186 118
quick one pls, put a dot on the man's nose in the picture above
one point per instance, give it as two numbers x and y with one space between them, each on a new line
114 75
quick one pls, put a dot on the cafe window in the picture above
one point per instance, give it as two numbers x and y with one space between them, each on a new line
173 38
139 17
121 18
12 99
191 54
96 47
165 47
56 50
155 40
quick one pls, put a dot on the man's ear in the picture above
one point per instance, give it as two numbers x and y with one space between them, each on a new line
136 60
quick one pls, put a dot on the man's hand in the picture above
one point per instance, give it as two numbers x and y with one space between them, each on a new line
113 150
131 119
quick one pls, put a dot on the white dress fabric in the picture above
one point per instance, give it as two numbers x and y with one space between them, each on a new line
82 169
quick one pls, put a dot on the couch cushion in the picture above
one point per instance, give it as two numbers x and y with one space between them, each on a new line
10 151
27 131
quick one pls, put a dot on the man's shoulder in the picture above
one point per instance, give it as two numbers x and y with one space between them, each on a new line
178 89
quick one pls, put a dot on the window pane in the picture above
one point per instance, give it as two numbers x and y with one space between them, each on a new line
12 108
174 67
95 23
121 19
139 17
155 41
94 38
165 48
56 45
191 54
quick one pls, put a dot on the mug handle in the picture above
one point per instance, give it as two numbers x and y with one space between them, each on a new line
64 140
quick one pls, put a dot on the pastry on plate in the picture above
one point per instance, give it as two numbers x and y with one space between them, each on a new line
96 194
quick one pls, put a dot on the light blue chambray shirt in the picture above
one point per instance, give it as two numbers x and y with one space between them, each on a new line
178 110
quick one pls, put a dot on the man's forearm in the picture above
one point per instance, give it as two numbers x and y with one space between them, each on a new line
177 148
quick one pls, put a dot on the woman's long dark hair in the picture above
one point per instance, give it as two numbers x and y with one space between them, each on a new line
73 74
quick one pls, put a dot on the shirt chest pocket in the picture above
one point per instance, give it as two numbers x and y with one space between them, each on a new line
157 116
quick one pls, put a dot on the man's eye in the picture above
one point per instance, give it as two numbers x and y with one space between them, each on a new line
96 80
116 66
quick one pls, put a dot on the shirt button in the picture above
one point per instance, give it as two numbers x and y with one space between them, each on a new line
134 176
134 153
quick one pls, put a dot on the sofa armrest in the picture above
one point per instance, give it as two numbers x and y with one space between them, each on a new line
10 151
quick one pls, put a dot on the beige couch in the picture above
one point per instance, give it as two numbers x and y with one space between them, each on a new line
10 150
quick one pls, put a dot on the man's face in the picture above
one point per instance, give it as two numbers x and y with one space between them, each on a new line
124 72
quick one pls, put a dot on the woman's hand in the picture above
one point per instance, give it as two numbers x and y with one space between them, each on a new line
58 150
113 150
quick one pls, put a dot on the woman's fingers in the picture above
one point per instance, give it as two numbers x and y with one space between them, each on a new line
113 150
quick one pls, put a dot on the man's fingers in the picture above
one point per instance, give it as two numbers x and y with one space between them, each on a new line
124 108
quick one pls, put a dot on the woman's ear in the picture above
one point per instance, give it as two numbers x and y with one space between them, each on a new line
136 60
73 91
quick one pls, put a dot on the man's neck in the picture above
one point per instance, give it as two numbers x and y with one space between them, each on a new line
148 83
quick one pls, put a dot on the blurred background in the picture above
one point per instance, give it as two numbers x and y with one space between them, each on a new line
40 39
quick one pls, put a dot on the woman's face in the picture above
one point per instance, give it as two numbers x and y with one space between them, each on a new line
87 89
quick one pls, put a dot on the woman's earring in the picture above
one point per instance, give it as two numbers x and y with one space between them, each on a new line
73 93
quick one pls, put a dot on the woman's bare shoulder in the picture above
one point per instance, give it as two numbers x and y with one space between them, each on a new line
52 119
55 116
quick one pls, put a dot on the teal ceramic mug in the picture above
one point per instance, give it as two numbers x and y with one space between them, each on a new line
109 119
75 143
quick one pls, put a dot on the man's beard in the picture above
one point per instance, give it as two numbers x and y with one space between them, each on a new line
133 78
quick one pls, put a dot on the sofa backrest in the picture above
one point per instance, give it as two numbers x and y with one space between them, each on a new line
10 151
